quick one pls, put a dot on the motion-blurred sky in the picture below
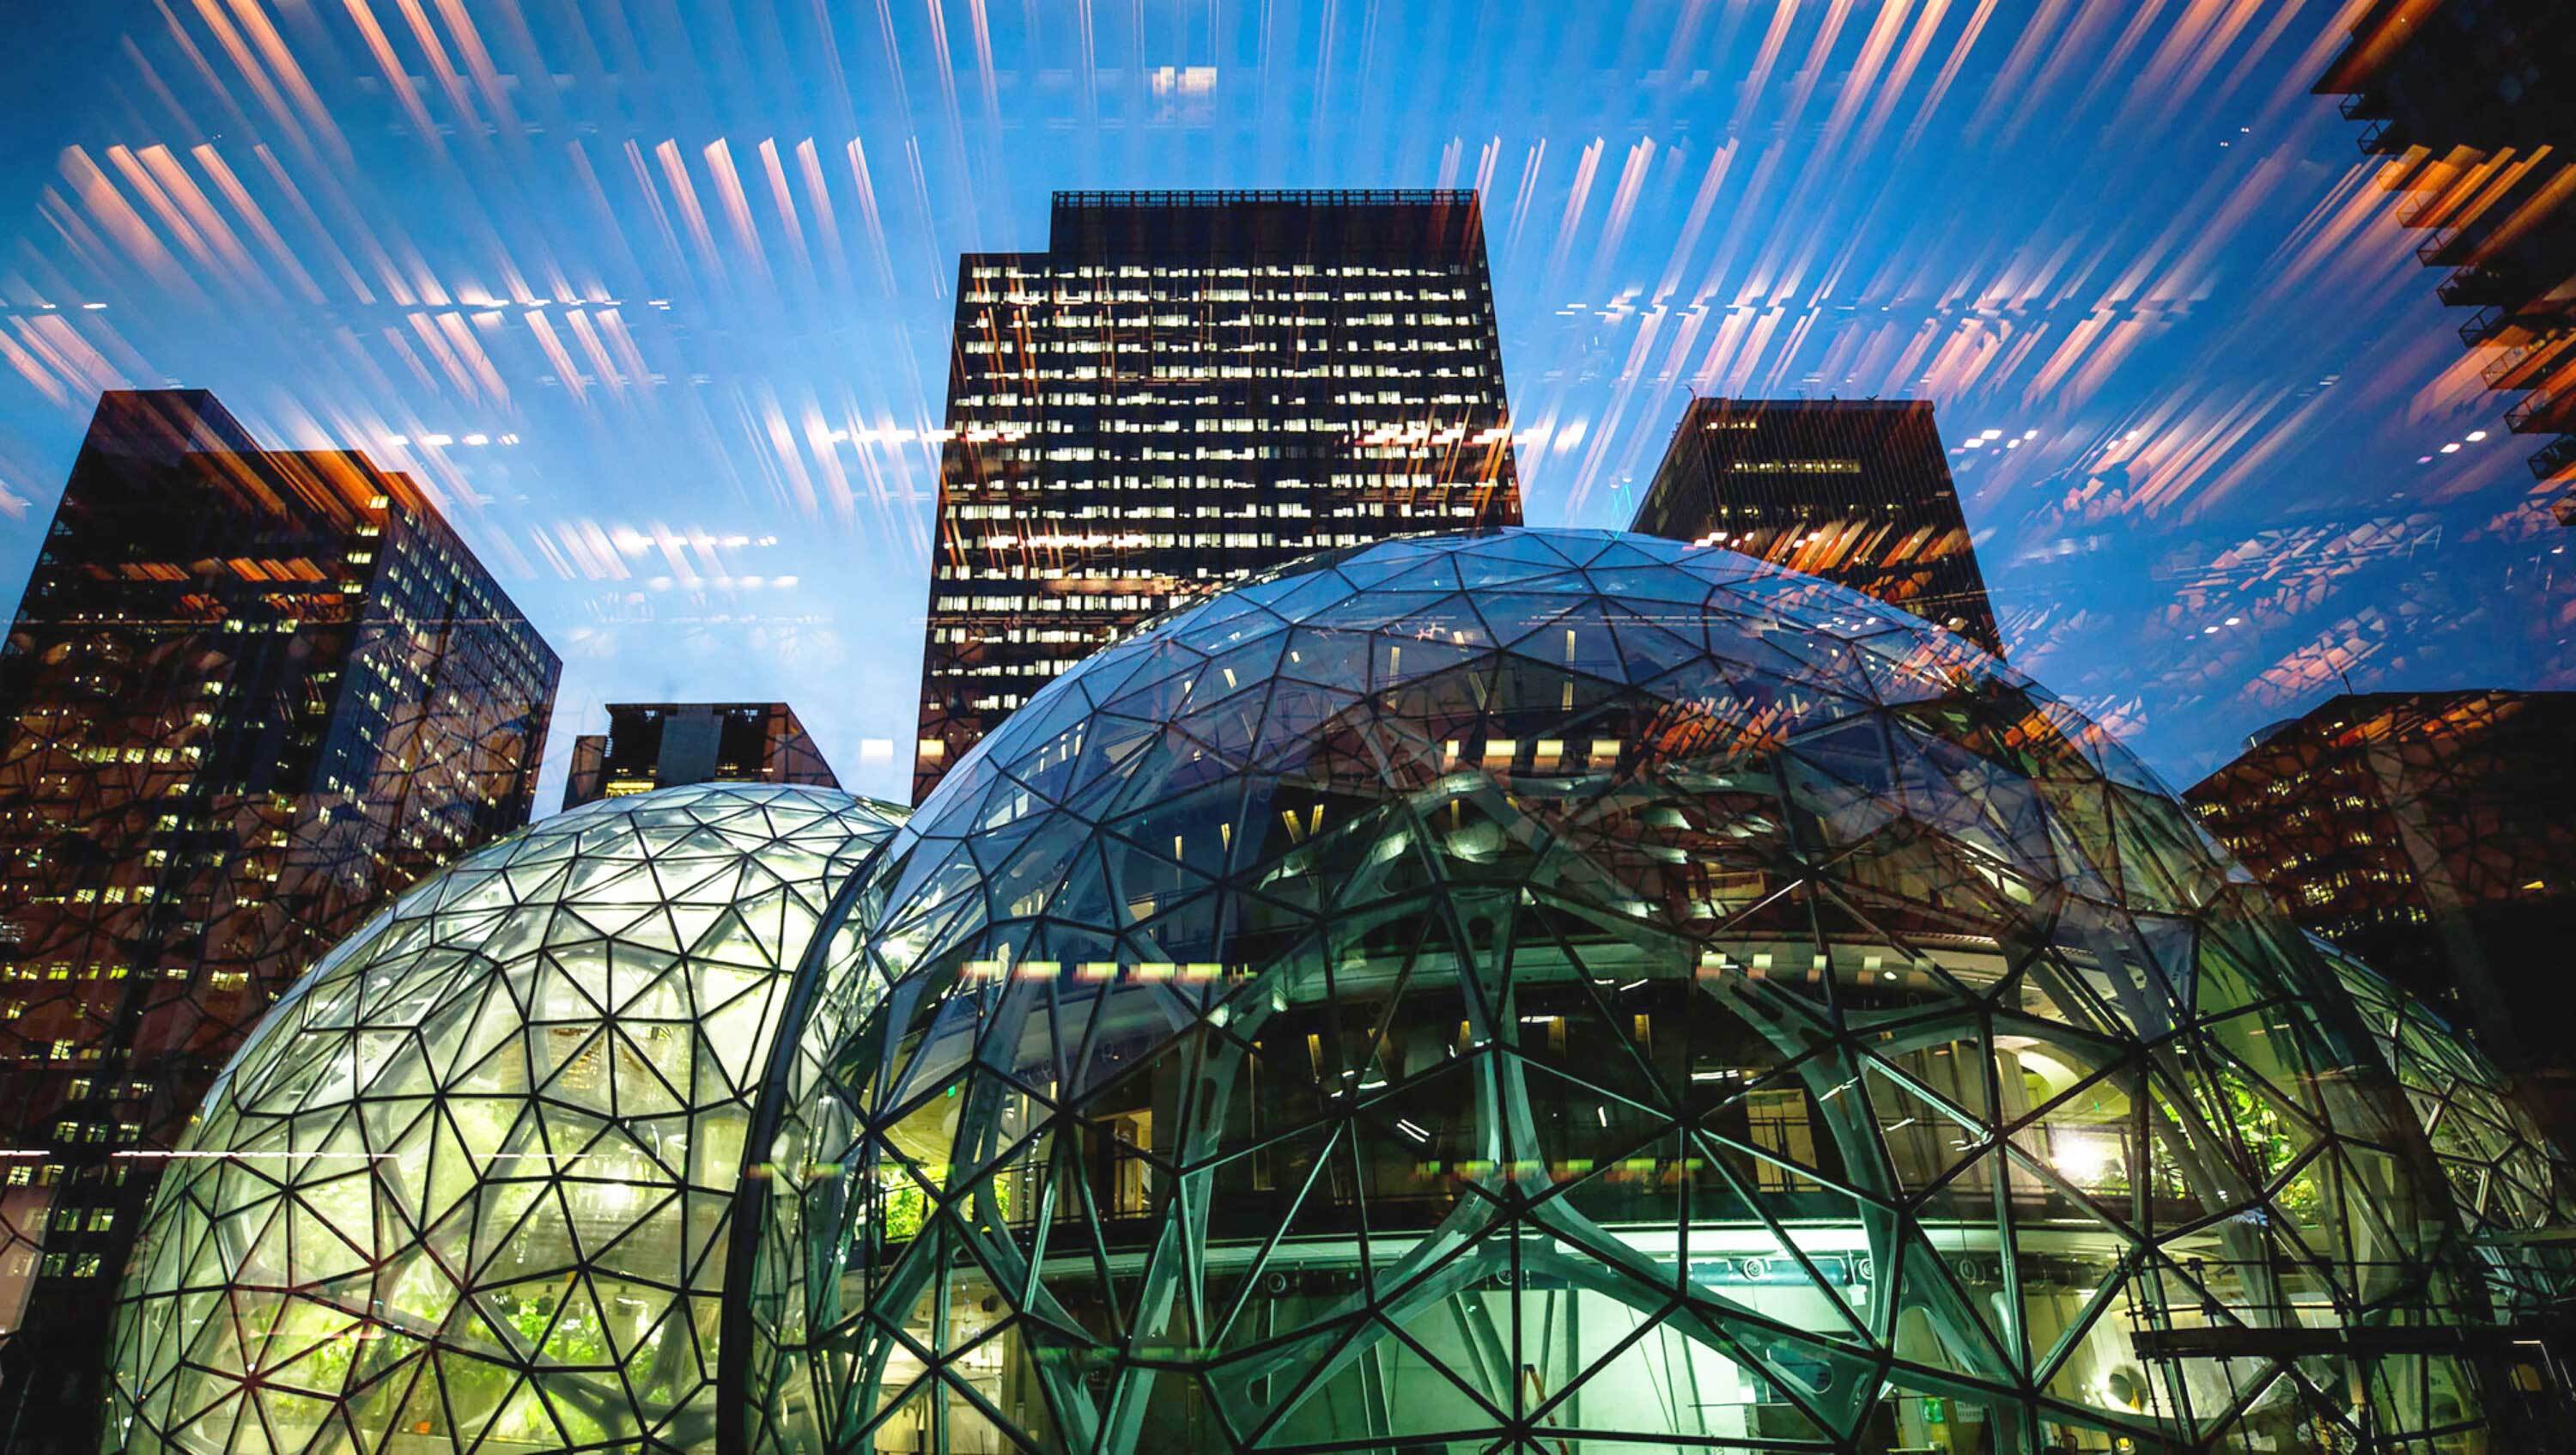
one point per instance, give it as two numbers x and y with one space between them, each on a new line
656 295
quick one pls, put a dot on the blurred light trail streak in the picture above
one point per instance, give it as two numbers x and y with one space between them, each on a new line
676 172
737 207
2123 225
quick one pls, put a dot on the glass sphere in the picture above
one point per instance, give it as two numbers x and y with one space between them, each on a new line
2514 1189
1557 990
469 1185
1539 990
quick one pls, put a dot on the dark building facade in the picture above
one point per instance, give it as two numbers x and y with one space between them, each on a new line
652 745
2433 835
1857 491
247 694
1186 388
2471 102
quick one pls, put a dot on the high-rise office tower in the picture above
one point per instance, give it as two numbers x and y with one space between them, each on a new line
652 745
1857 491
2433 835
2470 103
246 695
1186 388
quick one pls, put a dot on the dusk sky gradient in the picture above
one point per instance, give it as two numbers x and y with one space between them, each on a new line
688 270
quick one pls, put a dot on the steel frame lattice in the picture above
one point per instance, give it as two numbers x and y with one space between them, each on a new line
1537 991
1565 991
2515 1191
468 1186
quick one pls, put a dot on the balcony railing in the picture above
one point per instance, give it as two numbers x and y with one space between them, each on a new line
2542 411
2555 458
2513 368
2445 246
2474 287
2485 324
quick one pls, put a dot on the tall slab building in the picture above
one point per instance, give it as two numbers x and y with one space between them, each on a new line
1186 388
652 745
1857 491
248 693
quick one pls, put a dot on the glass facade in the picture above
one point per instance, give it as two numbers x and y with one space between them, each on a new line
1567 991
1857 491
1186 388
2513 1186
2433 834
652 745
468 1187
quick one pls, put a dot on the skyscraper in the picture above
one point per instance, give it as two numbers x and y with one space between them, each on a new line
1186 388
2432 834
652 745
1857 491
246 695
2469 102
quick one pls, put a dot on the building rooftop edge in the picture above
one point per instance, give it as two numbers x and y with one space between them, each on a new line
1704 401
721 704
1234 197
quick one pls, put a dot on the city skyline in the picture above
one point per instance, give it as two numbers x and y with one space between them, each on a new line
2247 459
1490 706
1544 990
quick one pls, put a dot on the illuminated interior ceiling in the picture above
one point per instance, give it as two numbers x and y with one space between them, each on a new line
1543 989
467 1186
1530 990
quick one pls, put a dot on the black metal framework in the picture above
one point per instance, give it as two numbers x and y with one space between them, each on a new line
1539 991
470 1185
2433 834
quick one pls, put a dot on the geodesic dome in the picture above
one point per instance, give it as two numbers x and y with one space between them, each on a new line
2514 1189
1563 991
468 1186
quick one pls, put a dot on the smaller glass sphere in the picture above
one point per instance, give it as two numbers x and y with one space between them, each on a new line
467 1186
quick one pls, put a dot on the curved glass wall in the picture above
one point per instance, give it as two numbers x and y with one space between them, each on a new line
2514 1189
1570 992
468 1186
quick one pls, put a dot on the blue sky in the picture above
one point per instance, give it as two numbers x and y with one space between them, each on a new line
684 268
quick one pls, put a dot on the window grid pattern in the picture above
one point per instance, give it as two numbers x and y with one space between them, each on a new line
1182 392
247 694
